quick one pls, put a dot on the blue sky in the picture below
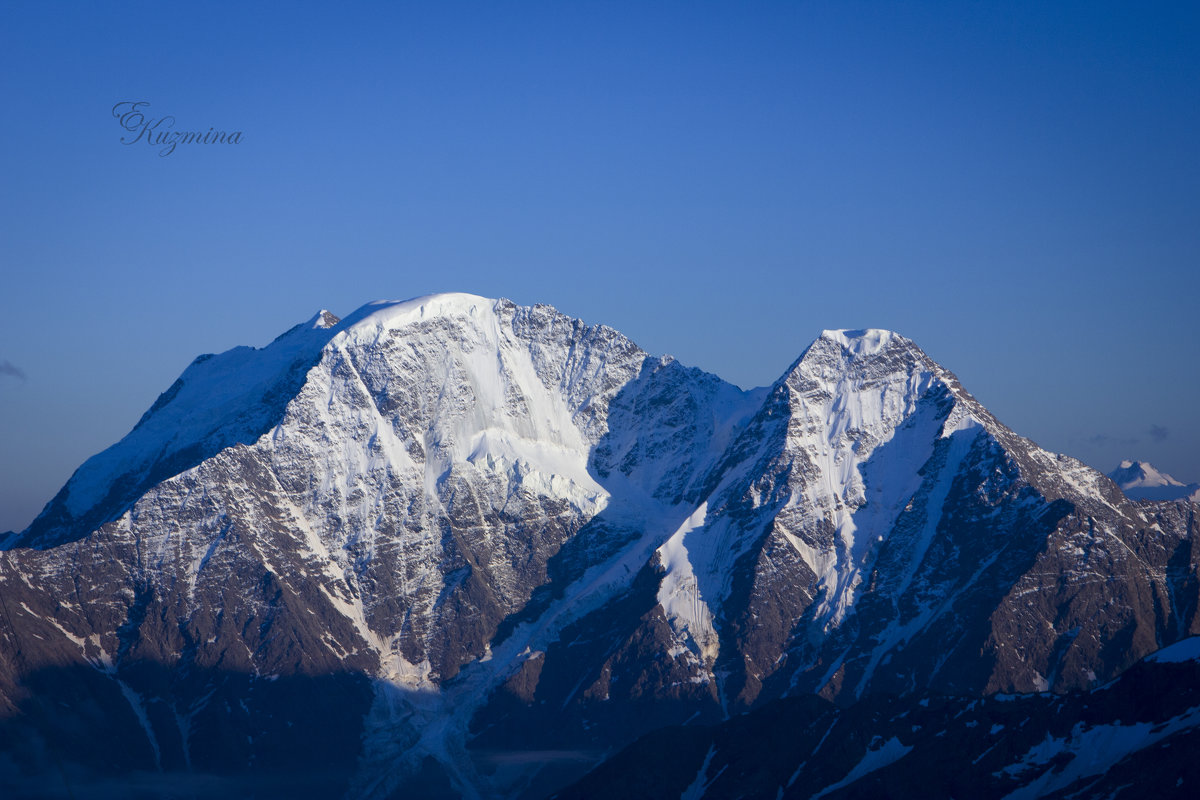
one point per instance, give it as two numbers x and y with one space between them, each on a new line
1015 186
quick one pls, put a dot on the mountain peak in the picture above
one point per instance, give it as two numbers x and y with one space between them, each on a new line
834 352
1131 474
864 341
1141 481
424 307
324 319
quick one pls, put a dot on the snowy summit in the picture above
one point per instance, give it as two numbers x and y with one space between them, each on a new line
1141 481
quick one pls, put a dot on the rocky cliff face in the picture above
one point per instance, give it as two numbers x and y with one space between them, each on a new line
468 547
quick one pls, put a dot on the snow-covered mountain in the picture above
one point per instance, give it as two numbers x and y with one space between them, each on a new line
1141 481
456 545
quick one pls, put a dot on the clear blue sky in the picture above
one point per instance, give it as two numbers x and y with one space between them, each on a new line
1016 186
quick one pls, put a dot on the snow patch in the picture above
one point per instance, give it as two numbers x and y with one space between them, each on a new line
1185 650
1088 751
696 789
887 753
679 593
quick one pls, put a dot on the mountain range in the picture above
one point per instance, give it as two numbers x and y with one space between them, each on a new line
458 547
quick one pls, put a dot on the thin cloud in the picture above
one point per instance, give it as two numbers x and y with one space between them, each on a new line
1158 433
9 368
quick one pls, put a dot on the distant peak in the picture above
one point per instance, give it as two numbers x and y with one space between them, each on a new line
1136 474
864 341
325 319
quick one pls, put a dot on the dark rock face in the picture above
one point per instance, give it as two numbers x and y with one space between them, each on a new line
458 547
80 734
1131 738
